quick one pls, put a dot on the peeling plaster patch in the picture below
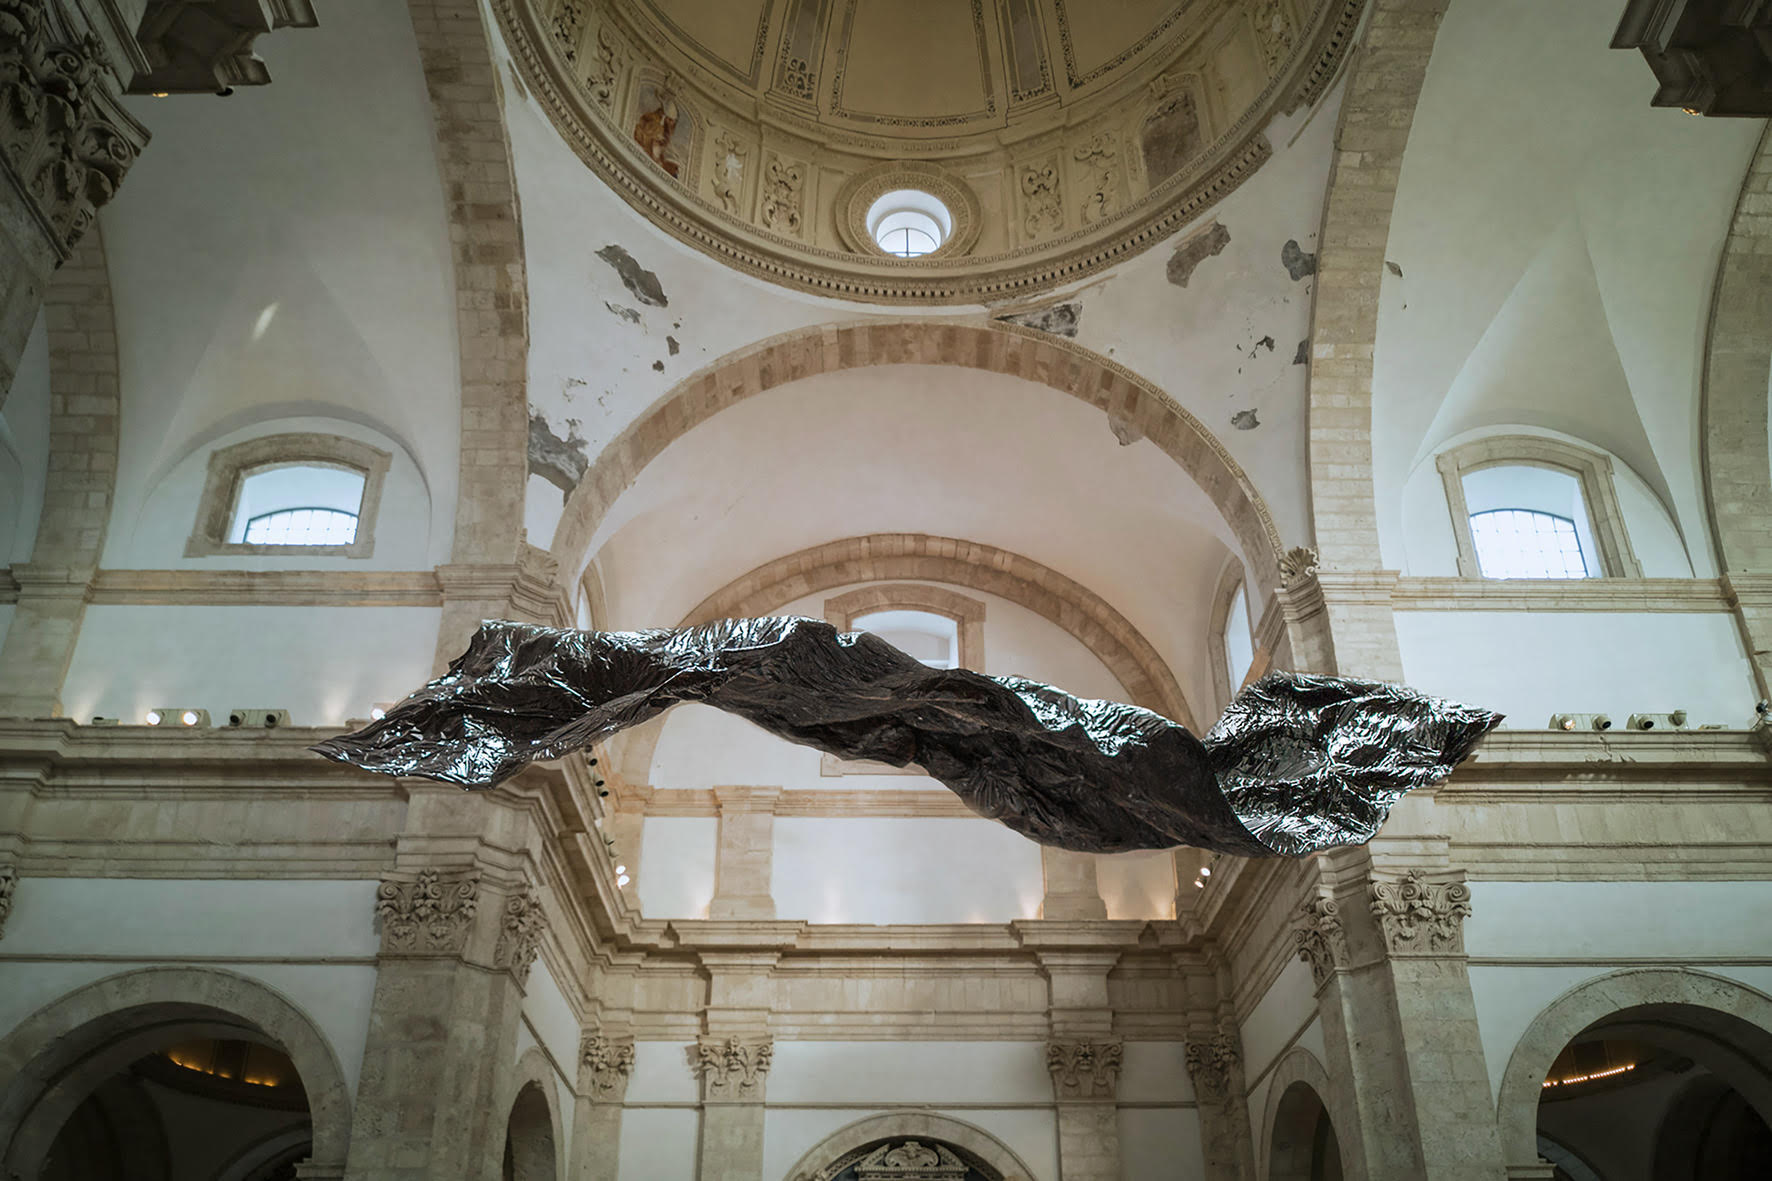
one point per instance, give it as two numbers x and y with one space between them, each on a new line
671 344
641 283
1196 250
1298 264
1303 355
659 366
1266 342
1393 268
1245 420
1061 319
631 315
1124 431
561 462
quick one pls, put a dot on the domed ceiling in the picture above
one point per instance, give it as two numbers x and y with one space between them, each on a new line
1060 134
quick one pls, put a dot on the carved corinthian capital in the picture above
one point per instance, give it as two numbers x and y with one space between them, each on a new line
607 1064
1084 1070
427 914
733 1068
1319 938
8 884
1421 917
519 933
1212 1064
65 141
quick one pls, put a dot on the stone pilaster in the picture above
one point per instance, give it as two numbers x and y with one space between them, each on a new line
456 947
527 590
1385 946
1071 889
604 1066
1751 596
745 853
734 1076
1215 1067
1085 1084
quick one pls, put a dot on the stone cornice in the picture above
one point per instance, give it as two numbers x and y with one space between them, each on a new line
1623 595
269 588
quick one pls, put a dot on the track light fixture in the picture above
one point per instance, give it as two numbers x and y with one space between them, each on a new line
266 719
177 716
1580 722
1671 721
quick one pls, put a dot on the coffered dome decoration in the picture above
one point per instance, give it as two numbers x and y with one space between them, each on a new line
1061 136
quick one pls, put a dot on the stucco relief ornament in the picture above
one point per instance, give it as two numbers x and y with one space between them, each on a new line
1084 1069
1320 940
519 934
727 179
911 1160
1297 564
1418 915
609 1062
1100 156
1211 1064
1044 210
430 913
733 1068
1296 763
782 185
1276 32
605 68
568 23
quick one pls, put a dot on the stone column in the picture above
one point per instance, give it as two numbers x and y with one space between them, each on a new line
1386 950
1071 889
1215 1067
734 1072
604 1064
456 950
746 853
1085 1082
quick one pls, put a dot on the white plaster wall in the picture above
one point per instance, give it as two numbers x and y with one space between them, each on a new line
65 933
886 870
790 1134
701 747
550 1017
6 610
1155 1072
1530 665
1278 1018
658 1144
285 252
1160 1142
909 1072
153 536
661 1074
323 664
1430 549
1137 885
676 877
1564 933
24 448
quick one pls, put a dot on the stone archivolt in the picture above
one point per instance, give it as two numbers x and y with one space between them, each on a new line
608 1063
432 912
732 1068
1050 170
1421 916
1084 1070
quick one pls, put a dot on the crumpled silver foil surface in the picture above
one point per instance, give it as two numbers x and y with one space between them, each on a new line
1296 764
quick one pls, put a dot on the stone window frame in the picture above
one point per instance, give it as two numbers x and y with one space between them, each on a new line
1591 469
967 613
1229 579
228 468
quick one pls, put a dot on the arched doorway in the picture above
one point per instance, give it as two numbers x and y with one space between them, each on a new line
1304 1146
1652 1075
169 1073
529 1138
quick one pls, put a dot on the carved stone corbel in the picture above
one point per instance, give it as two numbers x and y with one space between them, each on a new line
732 1068
607 1063
1212 1064
428 914
1320 940
1418 916
519 933
1084 1069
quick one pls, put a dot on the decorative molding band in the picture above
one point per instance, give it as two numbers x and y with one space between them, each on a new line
429 914
1419 916
1084 1069
268 588
1624 595
607 1064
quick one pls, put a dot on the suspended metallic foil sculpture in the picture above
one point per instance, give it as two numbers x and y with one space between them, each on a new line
1296 764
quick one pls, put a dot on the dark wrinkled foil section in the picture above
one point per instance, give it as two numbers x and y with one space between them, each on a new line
1297 764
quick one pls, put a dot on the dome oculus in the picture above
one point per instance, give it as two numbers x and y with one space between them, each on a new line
909 223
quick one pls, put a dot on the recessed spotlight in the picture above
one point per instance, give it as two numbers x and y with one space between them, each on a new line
621 870
623 880
176 715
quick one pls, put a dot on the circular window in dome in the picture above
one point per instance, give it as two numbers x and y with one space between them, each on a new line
909 223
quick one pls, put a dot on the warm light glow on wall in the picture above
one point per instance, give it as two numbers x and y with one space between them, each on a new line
1583 1078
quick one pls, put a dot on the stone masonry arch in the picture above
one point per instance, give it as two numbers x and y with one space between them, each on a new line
980 1143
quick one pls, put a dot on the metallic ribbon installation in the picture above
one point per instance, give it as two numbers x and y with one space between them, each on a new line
1296 764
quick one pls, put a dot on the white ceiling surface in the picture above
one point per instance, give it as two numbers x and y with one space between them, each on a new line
284 251
921 449
591 371
1558 239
